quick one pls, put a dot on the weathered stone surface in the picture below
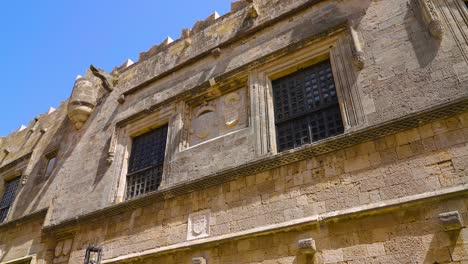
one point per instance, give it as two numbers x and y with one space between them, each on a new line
377 200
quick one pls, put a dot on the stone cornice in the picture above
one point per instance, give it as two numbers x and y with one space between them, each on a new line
359 211
23 220
239 35
266 163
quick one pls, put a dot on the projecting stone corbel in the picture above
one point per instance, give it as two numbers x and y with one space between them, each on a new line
199 260
358 54
431 18
307 246
451 221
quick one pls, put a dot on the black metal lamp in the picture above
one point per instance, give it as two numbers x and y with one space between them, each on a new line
93 255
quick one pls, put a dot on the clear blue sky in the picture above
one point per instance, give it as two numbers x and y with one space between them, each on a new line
45 44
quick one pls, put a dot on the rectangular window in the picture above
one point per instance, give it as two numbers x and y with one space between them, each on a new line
51 159
145 166
306 106
8 197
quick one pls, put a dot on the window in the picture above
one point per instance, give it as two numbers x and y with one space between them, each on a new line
8 197
306 106
51 160
145 166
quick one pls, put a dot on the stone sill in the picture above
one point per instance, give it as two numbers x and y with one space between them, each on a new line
274 161
358 211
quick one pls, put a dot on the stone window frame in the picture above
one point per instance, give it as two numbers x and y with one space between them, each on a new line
339 48
123 136
49 155
16 171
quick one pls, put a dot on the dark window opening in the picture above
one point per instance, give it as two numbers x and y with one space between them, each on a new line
50 166
145 167
306 107
8 198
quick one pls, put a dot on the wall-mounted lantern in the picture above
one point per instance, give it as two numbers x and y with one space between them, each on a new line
93 255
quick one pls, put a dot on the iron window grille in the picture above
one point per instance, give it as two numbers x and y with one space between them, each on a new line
145 167
306 106
8 198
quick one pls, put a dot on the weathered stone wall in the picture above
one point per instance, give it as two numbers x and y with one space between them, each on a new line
406 70
429 159
22 240
405 236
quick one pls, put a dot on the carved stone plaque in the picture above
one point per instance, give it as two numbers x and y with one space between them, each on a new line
219 116
198 225
62 250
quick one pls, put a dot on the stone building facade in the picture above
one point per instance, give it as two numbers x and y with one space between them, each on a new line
285 131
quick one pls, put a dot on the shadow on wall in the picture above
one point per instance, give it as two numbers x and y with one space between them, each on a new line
424 45
38 186
14 239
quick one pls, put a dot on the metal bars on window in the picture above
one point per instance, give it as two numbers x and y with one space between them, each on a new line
306 106
8 198
146 162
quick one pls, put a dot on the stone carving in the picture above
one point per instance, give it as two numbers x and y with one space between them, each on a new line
451 220
85 94
231 109
62 250
218 117
432 18
358 53
112 147
205 119
198 225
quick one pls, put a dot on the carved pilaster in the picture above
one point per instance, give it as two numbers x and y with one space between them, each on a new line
431 18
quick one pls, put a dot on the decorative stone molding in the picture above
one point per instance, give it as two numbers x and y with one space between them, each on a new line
431 18
199 260
198 225
112 147
451 220
307 246
358 53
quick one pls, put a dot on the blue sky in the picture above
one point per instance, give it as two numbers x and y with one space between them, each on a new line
45 44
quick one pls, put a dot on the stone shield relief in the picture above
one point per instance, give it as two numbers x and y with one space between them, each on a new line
198 225
218 117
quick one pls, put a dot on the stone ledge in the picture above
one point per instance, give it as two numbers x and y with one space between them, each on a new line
359 211
275 161
24 219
